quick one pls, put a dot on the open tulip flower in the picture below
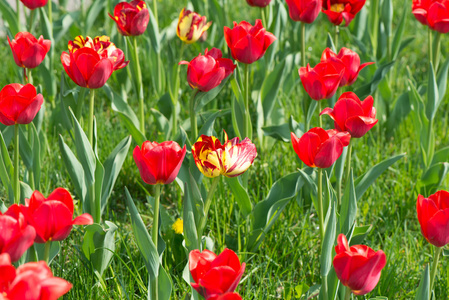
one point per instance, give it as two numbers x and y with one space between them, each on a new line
258 3
339 10
216 277
33 4
90 62
352 115
347 60
434 14
358 267
433 216
159 163
323 80
131 18
305 11
191 26
28 51
206 72
30 281
320 148
231 159
52 217
248 43
16 236
19 104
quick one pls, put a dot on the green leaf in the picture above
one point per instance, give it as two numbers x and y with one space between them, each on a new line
240 195
442 81
25 191
238 109
328 242
25 150
340 164
348 209
162 123
440 156
6 169
371 87
400 111
92 14
208 126
270 88
278 132
9 16
99 177
36 156
423 291
153 32
387 16
54 250
203 98
359 234
330 43
434 176
432 94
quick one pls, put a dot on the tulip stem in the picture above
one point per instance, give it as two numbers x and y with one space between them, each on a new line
303 44
436 51
348 293
337 32
264 18
50 13
47 251
16 165
429 44
91 117
433 270
320 203
139 86
193 125
155 11
155 235
319 117
207 204
246 99
348 162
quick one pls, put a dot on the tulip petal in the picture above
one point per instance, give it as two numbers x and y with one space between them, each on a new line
358 126
306 147
54 287
147 174
84 219
365 274
247 50
328 153
312 83
27 115
100 74
21 243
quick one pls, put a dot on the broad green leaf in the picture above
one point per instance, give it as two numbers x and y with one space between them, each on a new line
340 164
387 16
25 149
99 177
203 98
9 16
238 109
328 242
165 285
36 157
423 292
359 234
192 212
434 176
400 31
330 43
312 108
240 195
432 94
371 87
162 123
442 81
54 250
400 111
153 32
25 191
278 132
92 14
208 126
440 156
6 169
348 209
270 88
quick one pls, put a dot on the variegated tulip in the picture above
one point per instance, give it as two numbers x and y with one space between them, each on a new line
231 159
191 26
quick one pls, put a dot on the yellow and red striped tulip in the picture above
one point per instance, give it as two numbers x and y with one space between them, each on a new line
191 26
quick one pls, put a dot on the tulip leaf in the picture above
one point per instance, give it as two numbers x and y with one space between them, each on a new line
330 43
25 191
359 234
445 252
328 242
423 292
36 156
54 250
144 243
153 32
442 81
164 285
270 88
400 111
9 16
25 150
203 98
432 94
238 109
434 176
312 107
6 169
387 16
98 184
208 126
162 123
92 14
371 87
240 195
399 32
278 132
440 156
348 209
192 212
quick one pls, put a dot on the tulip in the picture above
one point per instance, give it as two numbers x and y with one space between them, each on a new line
305 11
352 115
214 275
433 216
322 81
339 10
16 235
320 148
248 43
227 296
131 18
159 163
191 26
30 281
348 60
358 267
33 4
28 51
206 72
52 216
258 3
434 14
19 104
90 62
231 159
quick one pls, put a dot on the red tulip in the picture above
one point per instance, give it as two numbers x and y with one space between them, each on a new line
52 217
159 163
16 236
131 18
32 4
30 281
339 10
206 72
248 43
358 267
348 60
258 3
322 81
90 62
432 13
227 296
320 148
191 26
352 115
28 51
215 275
304 11
19 104
433 216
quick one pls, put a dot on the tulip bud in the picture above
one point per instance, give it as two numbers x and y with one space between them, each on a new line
33 4
258 3
434 14
323 80
28 51
433 216
131 18
304 11
191 26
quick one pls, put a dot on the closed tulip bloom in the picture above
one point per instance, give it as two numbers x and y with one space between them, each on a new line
305 11
30 281
352 115
19 104
206 72
320 148
191 26
432 13
52 217
28 52
433 216
339 10
358 267
347 60
16 235
248 43
227 296
322 81
159 163
131 18
231 159
258 3
33 4
215 276
90 62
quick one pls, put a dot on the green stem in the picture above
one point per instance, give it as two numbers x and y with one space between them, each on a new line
91 117
348 162
176 94
348 293
139 86
388 48
218 226
30 171
16 165
264 18
246 101
429 44
337 32
319 111
306 99
193 125
338 192
320 203
374 24
50 13
155 235
155 11
429 141
18 13
436 51
207 204
433 270
30 28
47 251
